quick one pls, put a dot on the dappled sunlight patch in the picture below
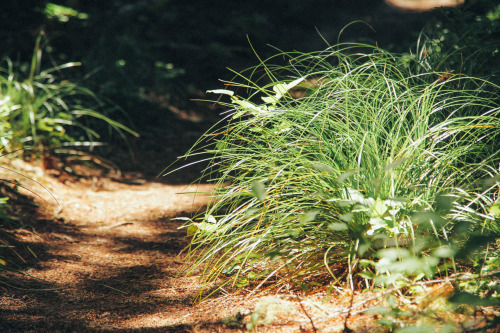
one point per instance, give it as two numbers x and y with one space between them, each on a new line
116 243
149 202
423 5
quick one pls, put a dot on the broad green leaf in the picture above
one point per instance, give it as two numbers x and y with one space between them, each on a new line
231 269
207 227
270 99
488 182
211 219
415 329
280 89
354 195
377 223
393 253
379 209
259 190
322 167
337 226
366 262
436 219
386 322
347 217
444 252
309 216
495 209
246 104
246 256
276 254
221 145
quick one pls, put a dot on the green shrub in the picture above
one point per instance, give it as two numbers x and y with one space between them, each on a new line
39 109
348 153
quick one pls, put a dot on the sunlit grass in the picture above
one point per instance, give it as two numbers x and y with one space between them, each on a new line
39 109
337 154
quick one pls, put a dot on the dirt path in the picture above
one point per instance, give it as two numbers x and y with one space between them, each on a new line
107 259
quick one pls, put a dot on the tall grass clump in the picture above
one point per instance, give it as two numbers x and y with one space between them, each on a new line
40 109
342 157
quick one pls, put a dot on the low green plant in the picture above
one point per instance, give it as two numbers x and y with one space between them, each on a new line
62 13
348 153
39 109
464 40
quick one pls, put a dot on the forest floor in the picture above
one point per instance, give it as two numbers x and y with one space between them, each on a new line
107 257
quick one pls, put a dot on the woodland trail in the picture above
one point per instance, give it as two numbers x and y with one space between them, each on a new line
106 258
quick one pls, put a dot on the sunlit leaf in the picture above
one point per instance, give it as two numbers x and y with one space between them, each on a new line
393 253
444 252
211 219
379 208
280 89
246 105
495 209
322 167
337 226
259 190
231 269
221 91
347 217
309 216
269 99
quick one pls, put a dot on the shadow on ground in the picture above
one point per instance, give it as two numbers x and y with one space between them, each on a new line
94 270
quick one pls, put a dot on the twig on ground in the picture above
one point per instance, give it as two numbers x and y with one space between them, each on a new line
347 329
305 312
